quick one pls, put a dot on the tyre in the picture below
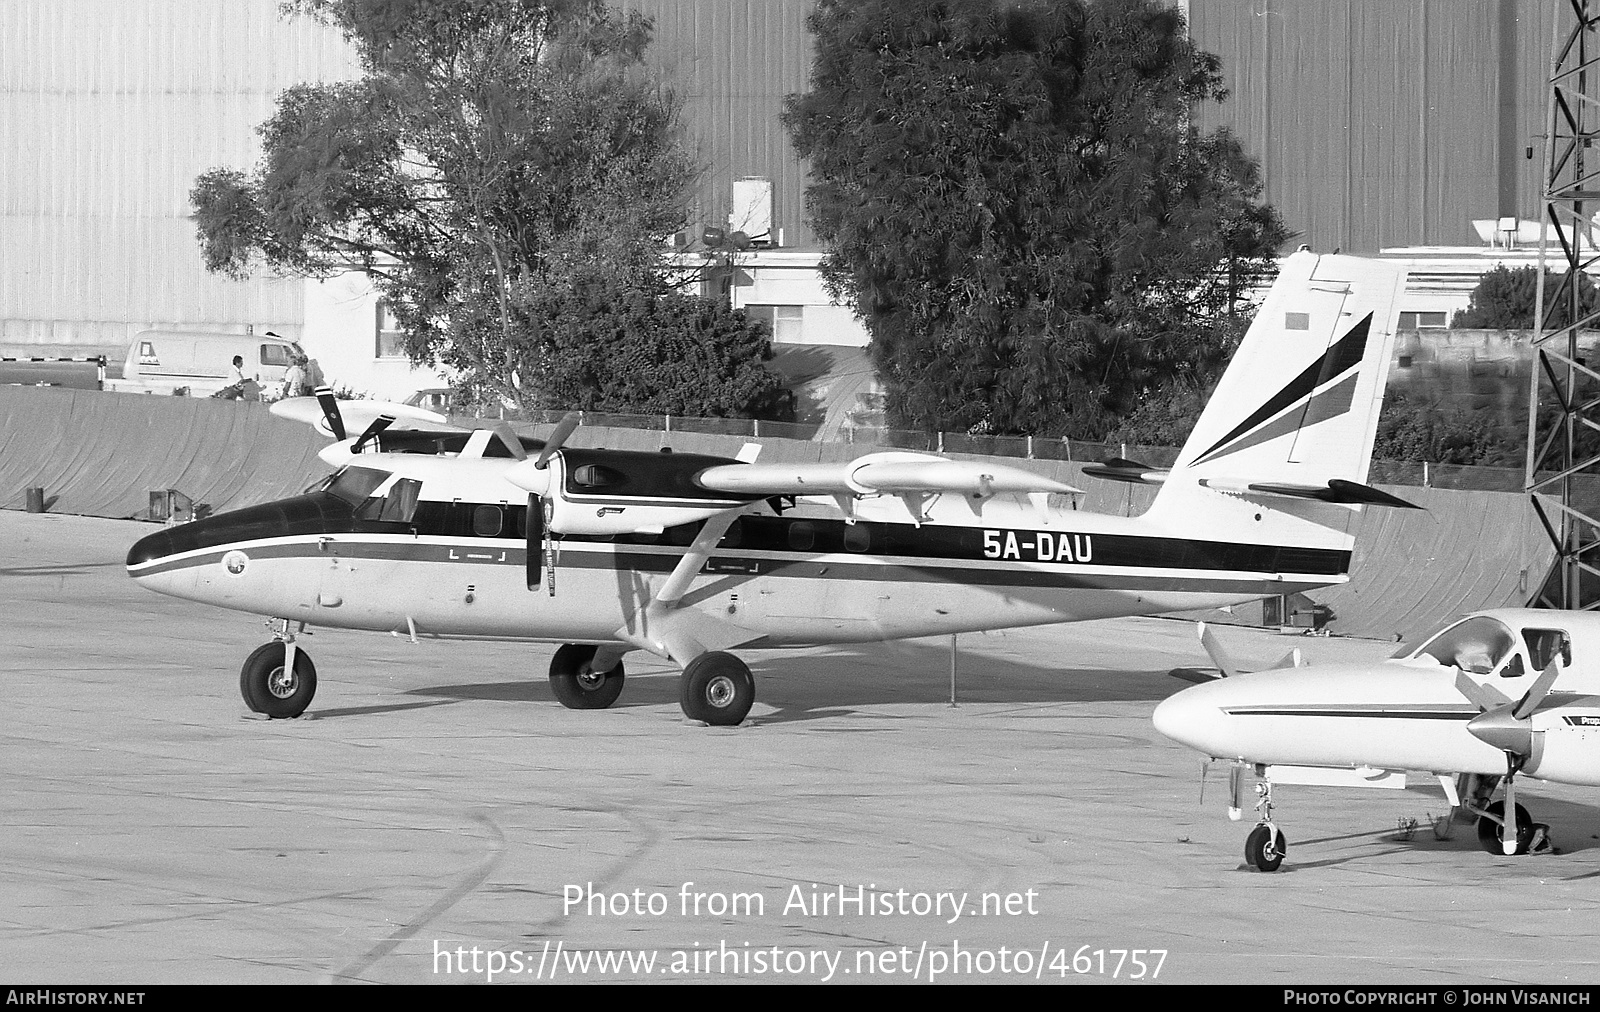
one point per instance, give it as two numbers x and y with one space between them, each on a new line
268 689
577 685
1489 829
717 688
1265 848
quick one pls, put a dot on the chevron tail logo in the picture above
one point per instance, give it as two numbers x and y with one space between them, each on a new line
1323 390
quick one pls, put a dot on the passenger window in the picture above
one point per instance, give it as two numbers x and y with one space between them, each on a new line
802 536
487 521
857 538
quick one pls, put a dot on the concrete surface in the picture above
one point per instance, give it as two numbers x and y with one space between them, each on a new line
436 800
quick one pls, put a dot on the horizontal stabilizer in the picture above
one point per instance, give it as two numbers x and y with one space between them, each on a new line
1215 651
1337 490
1121 469
890 473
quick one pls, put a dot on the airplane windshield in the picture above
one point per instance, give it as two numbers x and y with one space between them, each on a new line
355 484
1476 645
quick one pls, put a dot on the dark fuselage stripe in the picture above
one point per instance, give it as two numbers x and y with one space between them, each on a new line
1399 713
726 563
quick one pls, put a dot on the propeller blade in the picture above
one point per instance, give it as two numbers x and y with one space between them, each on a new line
508 436
1537 691
564 428
1508 828
1483 697
379 424
330 411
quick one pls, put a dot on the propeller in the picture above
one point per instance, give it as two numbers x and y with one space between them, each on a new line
1508 726
378 425
330 412
564 428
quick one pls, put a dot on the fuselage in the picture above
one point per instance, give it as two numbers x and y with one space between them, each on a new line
441 546
1404 714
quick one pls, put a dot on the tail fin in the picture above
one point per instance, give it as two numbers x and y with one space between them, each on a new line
1291 424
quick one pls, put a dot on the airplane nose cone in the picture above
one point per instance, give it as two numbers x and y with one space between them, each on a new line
152 547
1191 718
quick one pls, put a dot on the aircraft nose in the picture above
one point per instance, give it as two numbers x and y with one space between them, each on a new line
150 548
1192 718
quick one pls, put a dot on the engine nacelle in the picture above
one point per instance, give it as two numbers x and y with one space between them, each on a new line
1566 744
603 493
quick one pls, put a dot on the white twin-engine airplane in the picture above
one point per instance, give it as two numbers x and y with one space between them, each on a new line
1500 694
450 533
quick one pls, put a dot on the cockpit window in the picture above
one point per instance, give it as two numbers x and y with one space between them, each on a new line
355 484
398 505
1476 645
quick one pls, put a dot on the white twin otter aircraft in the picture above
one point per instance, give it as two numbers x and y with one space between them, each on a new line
439 532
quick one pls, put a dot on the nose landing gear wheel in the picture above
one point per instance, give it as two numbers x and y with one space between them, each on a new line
1489 829
1265 848
717 688
577 685
268 688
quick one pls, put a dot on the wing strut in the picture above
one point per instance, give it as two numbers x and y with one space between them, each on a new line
689 566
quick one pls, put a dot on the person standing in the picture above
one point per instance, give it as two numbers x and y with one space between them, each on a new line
294 379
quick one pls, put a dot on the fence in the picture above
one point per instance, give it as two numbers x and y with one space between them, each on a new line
1384 472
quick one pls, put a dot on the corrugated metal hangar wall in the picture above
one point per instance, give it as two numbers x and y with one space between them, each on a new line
1378 124
1385 124
109 109
733 62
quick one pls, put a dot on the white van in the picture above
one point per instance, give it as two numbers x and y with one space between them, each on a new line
164 360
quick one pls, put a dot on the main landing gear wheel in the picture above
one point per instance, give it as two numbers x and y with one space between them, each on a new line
579 686
1265 848
1489 829
717 688
268 688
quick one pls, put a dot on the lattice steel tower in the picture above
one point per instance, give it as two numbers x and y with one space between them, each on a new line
1564 397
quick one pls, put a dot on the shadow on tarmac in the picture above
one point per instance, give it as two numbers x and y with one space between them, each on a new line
814 684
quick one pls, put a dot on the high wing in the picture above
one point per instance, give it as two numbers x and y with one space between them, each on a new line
914 477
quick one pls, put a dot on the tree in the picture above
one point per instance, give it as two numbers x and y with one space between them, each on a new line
1506 299
1017 204
1424 428
495 157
